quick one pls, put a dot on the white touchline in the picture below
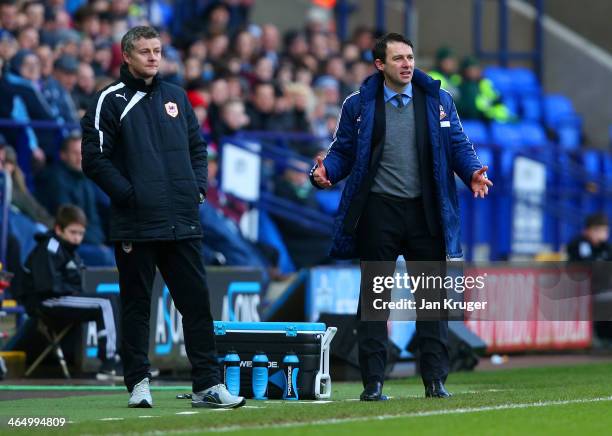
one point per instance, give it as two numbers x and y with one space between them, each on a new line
411 415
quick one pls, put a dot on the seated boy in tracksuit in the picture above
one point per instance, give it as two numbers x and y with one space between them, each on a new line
53 287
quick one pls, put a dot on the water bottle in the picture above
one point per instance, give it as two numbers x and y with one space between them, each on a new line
260 375
291 369
231 372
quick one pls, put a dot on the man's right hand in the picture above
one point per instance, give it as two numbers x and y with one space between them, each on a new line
320 175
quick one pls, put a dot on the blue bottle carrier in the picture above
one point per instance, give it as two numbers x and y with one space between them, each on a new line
310 341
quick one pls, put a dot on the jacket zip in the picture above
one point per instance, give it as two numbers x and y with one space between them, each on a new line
168 185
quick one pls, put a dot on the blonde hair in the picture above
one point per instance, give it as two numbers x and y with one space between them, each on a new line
299 89
17 176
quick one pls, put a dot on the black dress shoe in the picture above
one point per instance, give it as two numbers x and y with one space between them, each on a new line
373 392
436 389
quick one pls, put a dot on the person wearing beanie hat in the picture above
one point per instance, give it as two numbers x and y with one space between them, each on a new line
478 97
57 89
200 108
25 64
446 71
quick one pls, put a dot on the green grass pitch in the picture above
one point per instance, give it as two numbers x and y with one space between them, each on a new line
573 400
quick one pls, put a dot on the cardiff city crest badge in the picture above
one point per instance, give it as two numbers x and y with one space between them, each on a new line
171 109
127 247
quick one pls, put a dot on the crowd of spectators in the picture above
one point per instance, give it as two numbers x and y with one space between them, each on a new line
56 54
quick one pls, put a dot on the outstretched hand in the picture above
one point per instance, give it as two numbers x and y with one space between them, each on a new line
480 183
320 175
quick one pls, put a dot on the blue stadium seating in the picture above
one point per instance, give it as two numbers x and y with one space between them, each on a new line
532 133
329 200
524 81
513 81
531 107
591 161
500 78
569 132
506 135
556 108
477 131
512 104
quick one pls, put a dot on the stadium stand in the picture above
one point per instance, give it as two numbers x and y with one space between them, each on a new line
221 58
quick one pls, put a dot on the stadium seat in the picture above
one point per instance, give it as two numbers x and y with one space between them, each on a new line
524 81
477 131
500 78
569 132
512 103
328 201
531 107
506 135
532 133
485 155
591 161
557 107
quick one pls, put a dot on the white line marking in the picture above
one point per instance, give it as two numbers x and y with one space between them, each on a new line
148 416
187 413
410 415
111 419
309 402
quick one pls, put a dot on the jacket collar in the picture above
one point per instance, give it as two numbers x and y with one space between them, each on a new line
137 84
373 83
50 234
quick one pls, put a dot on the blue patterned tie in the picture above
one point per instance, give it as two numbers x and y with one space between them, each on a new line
400 100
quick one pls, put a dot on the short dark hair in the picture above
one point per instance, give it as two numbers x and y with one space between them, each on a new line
380 47
70 214
134 34
596 220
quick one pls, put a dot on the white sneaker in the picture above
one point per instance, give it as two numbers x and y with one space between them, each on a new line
141 395
216 397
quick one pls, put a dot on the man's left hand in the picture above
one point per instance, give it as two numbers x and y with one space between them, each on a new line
480 183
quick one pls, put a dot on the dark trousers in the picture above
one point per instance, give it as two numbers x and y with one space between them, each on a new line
390 227
182 269
103 309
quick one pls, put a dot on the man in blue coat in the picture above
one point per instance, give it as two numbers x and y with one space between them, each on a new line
400 142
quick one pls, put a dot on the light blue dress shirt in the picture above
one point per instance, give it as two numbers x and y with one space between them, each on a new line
406 95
